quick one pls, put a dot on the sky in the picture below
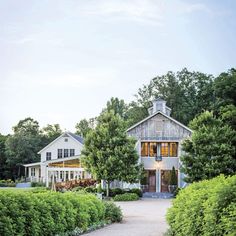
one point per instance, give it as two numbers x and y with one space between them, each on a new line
61 61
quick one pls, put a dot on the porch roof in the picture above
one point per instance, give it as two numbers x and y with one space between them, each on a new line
32 164
63 159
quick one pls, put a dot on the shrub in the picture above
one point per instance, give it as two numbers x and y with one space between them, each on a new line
38 184
114 191
90 189
205 208
7 183
112 212
137 191
126 197
50 213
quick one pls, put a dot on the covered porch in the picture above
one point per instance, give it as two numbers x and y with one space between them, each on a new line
33 172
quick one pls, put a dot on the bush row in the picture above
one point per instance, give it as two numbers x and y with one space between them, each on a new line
7 183
112 192
205 208
50 213
126 197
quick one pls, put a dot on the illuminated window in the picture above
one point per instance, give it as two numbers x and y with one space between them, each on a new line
164 149
173 149
59 153
144 149
153 150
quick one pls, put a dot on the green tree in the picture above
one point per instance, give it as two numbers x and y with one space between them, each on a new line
49 133
210 151
228 115
23 145
109 154
4 170
85 126
224 89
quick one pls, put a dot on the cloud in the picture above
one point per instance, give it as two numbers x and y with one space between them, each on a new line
148 11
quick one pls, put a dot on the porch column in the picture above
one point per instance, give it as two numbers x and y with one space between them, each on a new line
158 181
69 174
47 184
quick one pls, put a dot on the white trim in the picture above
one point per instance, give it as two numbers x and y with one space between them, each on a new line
32 164
147 118
68 133
62 159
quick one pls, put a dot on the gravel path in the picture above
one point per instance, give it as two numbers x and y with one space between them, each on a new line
145 217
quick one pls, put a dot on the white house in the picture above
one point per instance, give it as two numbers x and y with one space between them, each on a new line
159 138
60 160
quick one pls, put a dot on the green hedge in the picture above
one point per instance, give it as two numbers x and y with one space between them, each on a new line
7 183
126 197
112 212
48 213
205 208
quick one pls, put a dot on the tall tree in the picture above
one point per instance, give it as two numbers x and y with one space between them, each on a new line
23 145
109 154
211 149
84 126
4 170
49 133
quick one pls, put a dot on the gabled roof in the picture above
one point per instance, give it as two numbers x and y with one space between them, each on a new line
159 112
65 134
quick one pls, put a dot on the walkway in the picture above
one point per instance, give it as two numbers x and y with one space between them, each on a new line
141 218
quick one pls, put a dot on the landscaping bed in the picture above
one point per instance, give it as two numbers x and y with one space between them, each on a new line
52 213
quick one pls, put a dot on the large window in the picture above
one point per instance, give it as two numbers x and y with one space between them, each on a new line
72 152
32 171
144 149
164 149
59 153
173 149
153 149
48 156
66 153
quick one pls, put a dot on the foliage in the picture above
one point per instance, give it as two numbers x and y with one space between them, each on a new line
205 208
109 154
173 177
187 93
90 189
85 126
112 212
50 213
4 168
126 197
7 183
211 149
49 133
137 191
37 184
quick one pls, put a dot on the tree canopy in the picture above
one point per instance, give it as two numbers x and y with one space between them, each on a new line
109 154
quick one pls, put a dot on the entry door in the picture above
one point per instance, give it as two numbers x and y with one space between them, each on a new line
152 181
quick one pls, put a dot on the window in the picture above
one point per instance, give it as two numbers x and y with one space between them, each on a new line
66 139
153 149
59 153
32 171
144 149
173 149
48 156
72 152
164 149
66 154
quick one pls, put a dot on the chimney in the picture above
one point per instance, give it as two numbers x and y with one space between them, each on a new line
159 105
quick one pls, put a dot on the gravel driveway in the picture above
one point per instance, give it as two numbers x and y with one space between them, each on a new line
145 217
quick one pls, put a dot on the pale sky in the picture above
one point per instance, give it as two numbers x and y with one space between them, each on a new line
60 61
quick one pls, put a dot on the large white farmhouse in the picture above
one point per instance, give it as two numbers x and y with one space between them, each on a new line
159 138
59 160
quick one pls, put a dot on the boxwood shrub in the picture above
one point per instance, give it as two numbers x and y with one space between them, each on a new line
112 212
126 197
205 208
48 213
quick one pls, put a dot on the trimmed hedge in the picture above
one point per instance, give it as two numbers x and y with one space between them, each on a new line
126 197
48 213
205 208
